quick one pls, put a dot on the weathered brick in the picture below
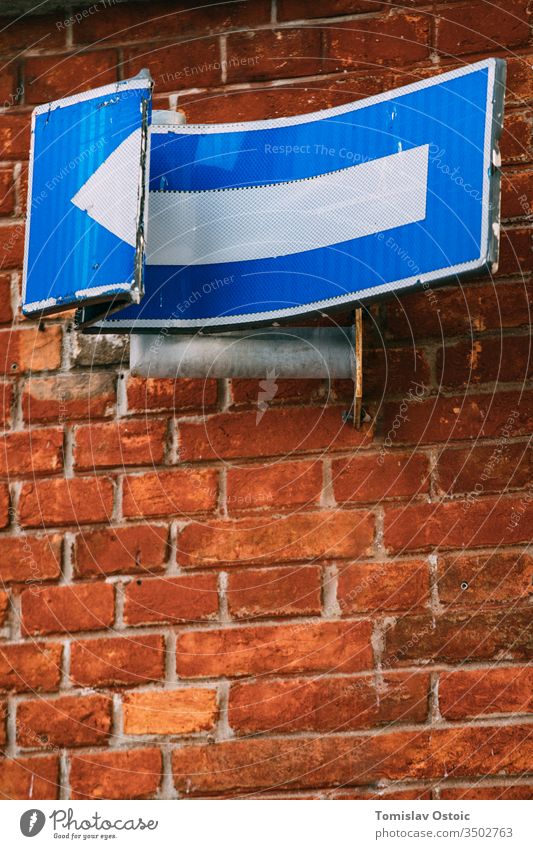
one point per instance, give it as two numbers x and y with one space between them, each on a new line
11 256
182 396
280 431
39 31
6 402
29 778
327 761
458 638
281 649
30 558
484 791
67 721
476 26
118 660
289 10
477 692
394 585
132 774
182 599
170 493
494 578
15 135
30 350
399 38
35 666
468 363
170 711
488 521
4 506
31 453
302 537
124 443
7 196
288 591
105 349
516 143
439 419
82 607
135 548
52 77
6 311
373 477
517 190
70 396
485 468
188 64
273 54
327 704
273 486
71 501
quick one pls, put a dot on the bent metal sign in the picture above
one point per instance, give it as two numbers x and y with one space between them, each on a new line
144 223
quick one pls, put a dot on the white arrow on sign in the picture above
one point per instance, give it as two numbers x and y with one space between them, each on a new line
257 222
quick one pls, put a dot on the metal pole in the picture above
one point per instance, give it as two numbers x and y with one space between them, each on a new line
286 352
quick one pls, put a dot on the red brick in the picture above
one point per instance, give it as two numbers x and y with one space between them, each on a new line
133 774
281 100
136 548
125 443
494 578
280 431
273 486
516 251
35 666
476 361
458 638
519 84
186 711
15 136
170 493
489 521
82 607
284 764
517 190
36 32
245 391
280 649
486 468
70 396
477 26
29 778
516 143
461 309
273 54
327 704
4 506
76 501
289 591
188 64
68 721
118 660
7 194
401 38
52 77
383 795
394 585
481 791
4 607
6 311
183 599
290 10
439 419
30 350
6 401
161 21
31 453
373 477
181 396
302 537
28 558
477 692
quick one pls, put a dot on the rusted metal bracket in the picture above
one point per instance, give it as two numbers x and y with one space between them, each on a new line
355 415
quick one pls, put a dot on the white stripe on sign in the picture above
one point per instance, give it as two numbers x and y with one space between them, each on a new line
235 225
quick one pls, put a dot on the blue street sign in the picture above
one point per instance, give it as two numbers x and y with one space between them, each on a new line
256 222
77 143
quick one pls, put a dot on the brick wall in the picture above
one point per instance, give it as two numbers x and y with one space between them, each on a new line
194 602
